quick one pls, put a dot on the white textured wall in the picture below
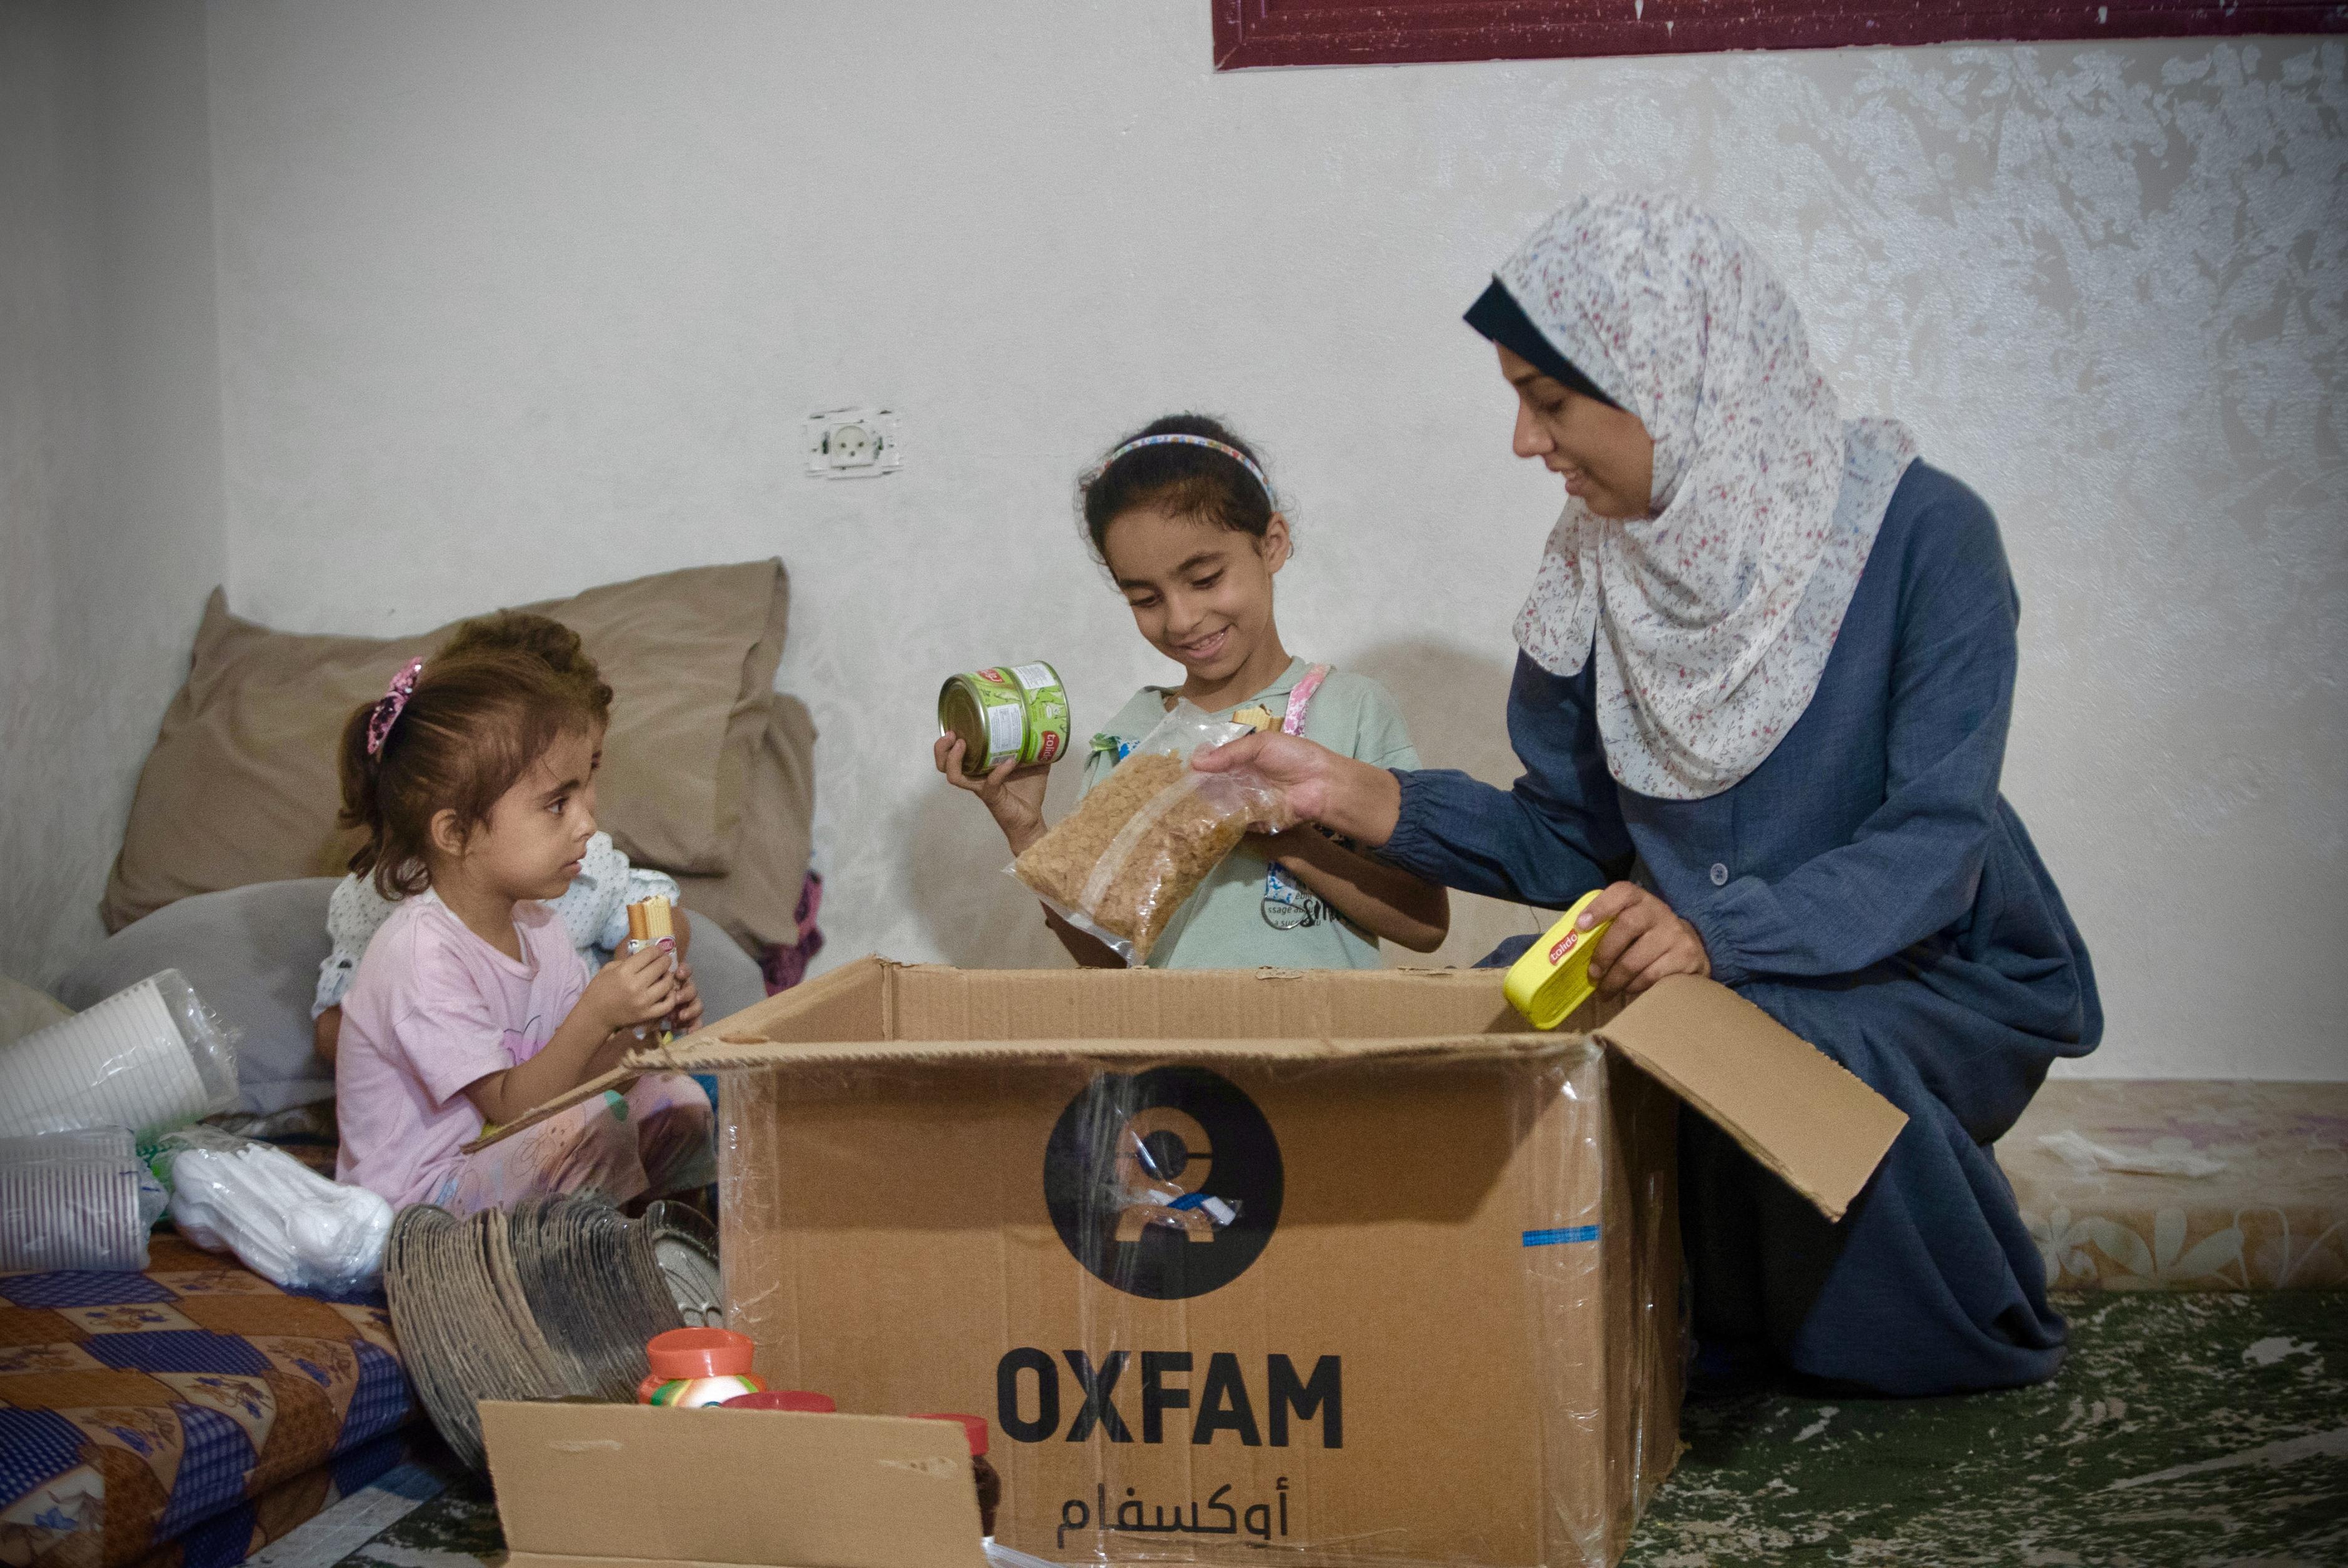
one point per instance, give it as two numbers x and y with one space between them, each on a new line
517 297
110 529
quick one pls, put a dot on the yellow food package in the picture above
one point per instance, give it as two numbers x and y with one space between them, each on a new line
1553 979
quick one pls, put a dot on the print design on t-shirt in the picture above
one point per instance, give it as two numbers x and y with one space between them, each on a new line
520 1045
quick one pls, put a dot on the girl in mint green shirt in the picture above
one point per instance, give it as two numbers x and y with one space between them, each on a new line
1183 518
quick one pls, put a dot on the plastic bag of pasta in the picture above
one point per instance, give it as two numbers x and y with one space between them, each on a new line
1145 837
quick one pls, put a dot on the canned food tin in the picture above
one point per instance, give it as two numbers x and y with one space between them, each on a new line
1011 713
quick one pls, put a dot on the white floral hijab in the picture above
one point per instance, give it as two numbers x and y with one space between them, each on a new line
1713 617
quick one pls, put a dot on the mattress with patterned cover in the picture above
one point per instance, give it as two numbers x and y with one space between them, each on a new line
185 1416
2179 1184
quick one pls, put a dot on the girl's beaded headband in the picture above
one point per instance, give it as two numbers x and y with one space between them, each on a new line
1184 440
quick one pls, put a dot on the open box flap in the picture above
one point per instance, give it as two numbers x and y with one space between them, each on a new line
1787 1103
632 1484
618 1078
1793 1107
873 1012
719 1055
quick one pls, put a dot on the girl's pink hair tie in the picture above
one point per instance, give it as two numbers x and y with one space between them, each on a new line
388 705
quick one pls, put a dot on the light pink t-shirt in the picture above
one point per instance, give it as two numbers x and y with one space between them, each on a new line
434 1008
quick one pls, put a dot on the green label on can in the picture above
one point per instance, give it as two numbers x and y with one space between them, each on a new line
1046 704
1006 714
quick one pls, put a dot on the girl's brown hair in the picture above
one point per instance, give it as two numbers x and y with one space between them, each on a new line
542 637
475 722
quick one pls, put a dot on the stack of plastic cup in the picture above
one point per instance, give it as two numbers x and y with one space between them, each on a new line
150 1058
75 1200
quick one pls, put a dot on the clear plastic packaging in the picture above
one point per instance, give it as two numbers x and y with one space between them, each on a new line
282 1220
78 1200
2087 1158
1137 846
150 1058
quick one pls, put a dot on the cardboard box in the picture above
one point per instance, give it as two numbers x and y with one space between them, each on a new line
1344 1265
591 1486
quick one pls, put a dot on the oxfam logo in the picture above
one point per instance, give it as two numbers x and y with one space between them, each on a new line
1164 1183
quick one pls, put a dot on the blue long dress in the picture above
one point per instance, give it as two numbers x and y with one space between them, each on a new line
1869 888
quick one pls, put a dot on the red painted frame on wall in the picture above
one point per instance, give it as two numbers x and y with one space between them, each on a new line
1252 33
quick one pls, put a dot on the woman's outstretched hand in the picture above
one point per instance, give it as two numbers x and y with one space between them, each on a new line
1646 942
1353 797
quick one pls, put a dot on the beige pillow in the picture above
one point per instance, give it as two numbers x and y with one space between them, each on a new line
241 785
759 901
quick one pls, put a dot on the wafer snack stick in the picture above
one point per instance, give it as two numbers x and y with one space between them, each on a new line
650 925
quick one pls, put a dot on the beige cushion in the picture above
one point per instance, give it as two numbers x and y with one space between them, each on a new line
759 901
241 785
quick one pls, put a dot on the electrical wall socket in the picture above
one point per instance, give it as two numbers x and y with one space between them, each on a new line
852 443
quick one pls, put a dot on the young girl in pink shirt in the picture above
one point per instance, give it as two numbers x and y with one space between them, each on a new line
473 777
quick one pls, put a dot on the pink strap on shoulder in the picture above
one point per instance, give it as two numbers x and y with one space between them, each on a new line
1299 699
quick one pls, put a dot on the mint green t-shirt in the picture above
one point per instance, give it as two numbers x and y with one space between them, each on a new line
1224 924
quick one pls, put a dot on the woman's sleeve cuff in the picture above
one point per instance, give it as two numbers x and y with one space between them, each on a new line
1410 845
1716 925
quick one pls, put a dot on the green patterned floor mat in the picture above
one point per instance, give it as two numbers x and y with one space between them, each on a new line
2199 1431
2185 1431
457 1528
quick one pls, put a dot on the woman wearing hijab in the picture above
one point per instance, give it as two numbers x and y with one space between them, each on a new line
1765 673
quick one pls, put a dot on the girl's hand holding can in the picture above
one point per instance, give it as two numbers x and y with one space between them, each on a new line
1013 794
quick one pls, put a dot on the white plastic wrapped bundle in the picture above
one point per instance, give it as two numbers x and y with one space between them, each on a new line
150 1058
77 1200
282 1220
